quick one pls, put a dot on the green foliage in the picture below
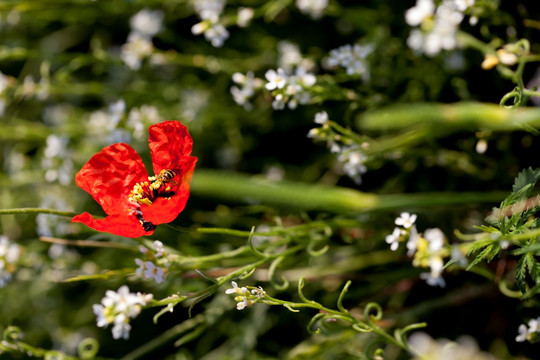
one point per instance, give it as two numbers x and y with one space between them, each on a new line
514 223
276 198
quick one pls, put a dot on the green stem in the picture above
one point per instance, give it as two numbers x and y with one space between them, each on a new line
344 316
468 116
37 211
302 196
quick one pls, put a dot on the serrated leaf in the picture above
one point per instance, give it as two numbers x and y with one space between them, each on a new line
478 245
533 248
494 251
526 177
480 257
521 273
486 229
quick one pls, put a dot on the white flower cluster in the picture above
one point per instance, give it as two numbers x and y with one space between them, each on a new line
352 157
289 57
437 25
103 124
139 119
435 239
148 269
117 308
57 161
352 58
289 90
9 255
465 347
406 222
245 14
144 25
248 85
427 250
41 89
313 8
209 12
529 332
245 298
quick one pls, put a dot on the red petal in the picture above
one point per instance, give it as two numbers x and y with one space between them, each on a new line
123 225
164 211
109 176
170 146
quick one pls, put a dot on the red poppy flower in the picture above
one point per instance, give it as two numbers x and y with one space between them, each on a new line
134 202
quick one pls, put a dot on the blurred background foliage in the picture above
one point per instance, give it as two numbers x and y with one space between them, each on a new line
69 88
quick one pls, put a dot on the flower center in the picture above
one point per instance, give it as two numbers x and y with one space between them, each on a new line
147 192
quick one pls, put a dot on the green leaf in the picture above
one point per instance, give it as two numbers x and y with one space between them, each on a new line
526 177
521 273
485 254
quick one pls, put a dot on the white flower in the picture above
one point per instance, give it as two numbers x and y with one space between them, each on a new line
289 55
406 220
481 146
141 266
462 5
522 333
313 8
279 102
135 50
147 23
528 332
99 311
56 146
321 117
216 34
249 85
209 9
9 255
393 238
463 348
242 304
353 160
139 119
421 11
276 80
121 327
160 250
412 244
236 290
435 237
432 280
304 77
352 58
534 325
245 14
439 26
153 272
117 307
458 257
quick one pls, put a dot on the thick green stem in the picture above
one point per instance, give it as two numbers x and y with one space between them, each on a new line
301 196
451 117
